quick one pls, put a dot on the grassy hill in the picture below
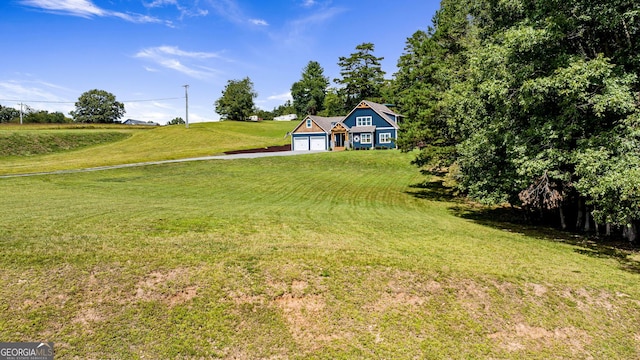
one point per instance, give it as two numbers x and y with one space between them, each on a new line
329 256
38 148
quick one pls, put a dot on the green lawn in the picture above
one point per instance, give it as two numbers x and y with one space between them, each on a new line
121 144
332 255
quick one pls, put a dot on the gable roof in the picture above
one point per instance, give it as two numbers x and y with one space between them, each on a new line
138 122
379 109
325 123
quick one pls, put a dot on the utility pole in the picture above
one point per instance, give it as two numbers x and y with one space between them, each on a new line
186 106
21 113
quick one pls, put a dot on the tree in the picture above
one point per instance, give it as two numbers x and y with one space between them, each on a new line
429 67
97 106
284 109
308 93
45 117
542 104
176 121
7 114
333 104
237 98
362 76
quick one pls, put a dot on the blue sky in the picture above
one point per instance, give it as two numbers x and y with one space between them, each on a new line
54 50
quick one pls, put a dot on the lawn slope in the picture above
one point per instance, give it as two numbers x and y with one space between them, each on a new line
333 255
140 144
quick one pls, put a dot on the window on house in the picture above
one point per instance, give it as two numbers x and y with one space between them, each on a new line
365 138
364 121
308 123
385 138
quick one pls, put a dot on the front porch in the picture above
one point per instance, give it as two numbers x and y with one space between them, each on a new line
339 138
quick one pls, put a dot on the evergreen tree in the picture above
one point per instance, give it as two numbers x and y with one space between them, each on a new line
308 93
362 76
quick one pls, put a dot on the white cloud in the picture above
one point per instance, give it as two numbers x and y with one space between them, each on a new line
233 12
228 9
82 8
37 94
297 31
160 3
171 57
185 11
308 3
259 22
174 50
281 97
87 9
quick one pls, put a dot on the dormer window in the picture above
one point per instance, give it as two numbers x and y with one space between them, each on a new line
364 121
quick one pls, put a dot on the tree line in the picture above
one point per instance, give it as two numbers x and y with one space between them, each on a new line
361 77
531 103
31 116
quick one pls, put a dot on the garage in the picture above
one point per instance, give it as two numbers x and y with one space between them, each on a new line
317 143
301 144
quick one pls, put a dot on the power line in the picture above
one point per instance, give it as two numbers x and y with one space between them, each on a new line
73 102
39 101
173 98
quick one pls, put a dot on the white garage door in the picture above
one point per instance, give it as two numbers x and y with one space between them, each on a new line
317 143
301 144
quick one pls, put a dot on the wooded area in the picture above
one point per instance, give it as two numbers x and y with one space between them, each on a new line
531 103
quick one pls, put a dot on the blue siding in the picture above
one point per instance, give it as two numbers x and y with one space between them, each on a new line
359 145
393 134
378 122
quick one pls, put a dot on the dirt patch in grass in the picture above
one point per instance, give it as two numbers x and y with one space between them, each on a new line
522 336
537 289
169 287
588 300
87 316
498 311
306 317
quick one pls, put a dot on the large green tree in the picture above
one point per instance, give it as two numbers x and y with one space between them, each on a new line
97 106
308 93
541 99
236 102
362 76
432 63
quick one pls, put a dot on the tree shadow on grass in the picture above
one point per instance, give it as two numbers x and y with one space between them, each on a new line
433 191
515 220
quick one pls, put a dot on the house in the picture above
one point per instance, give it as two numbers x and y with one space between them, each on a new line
368 126
139 122
288 117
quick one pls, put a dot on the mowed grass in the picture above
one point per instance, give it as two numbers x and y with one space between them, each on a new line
328 256
71 146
